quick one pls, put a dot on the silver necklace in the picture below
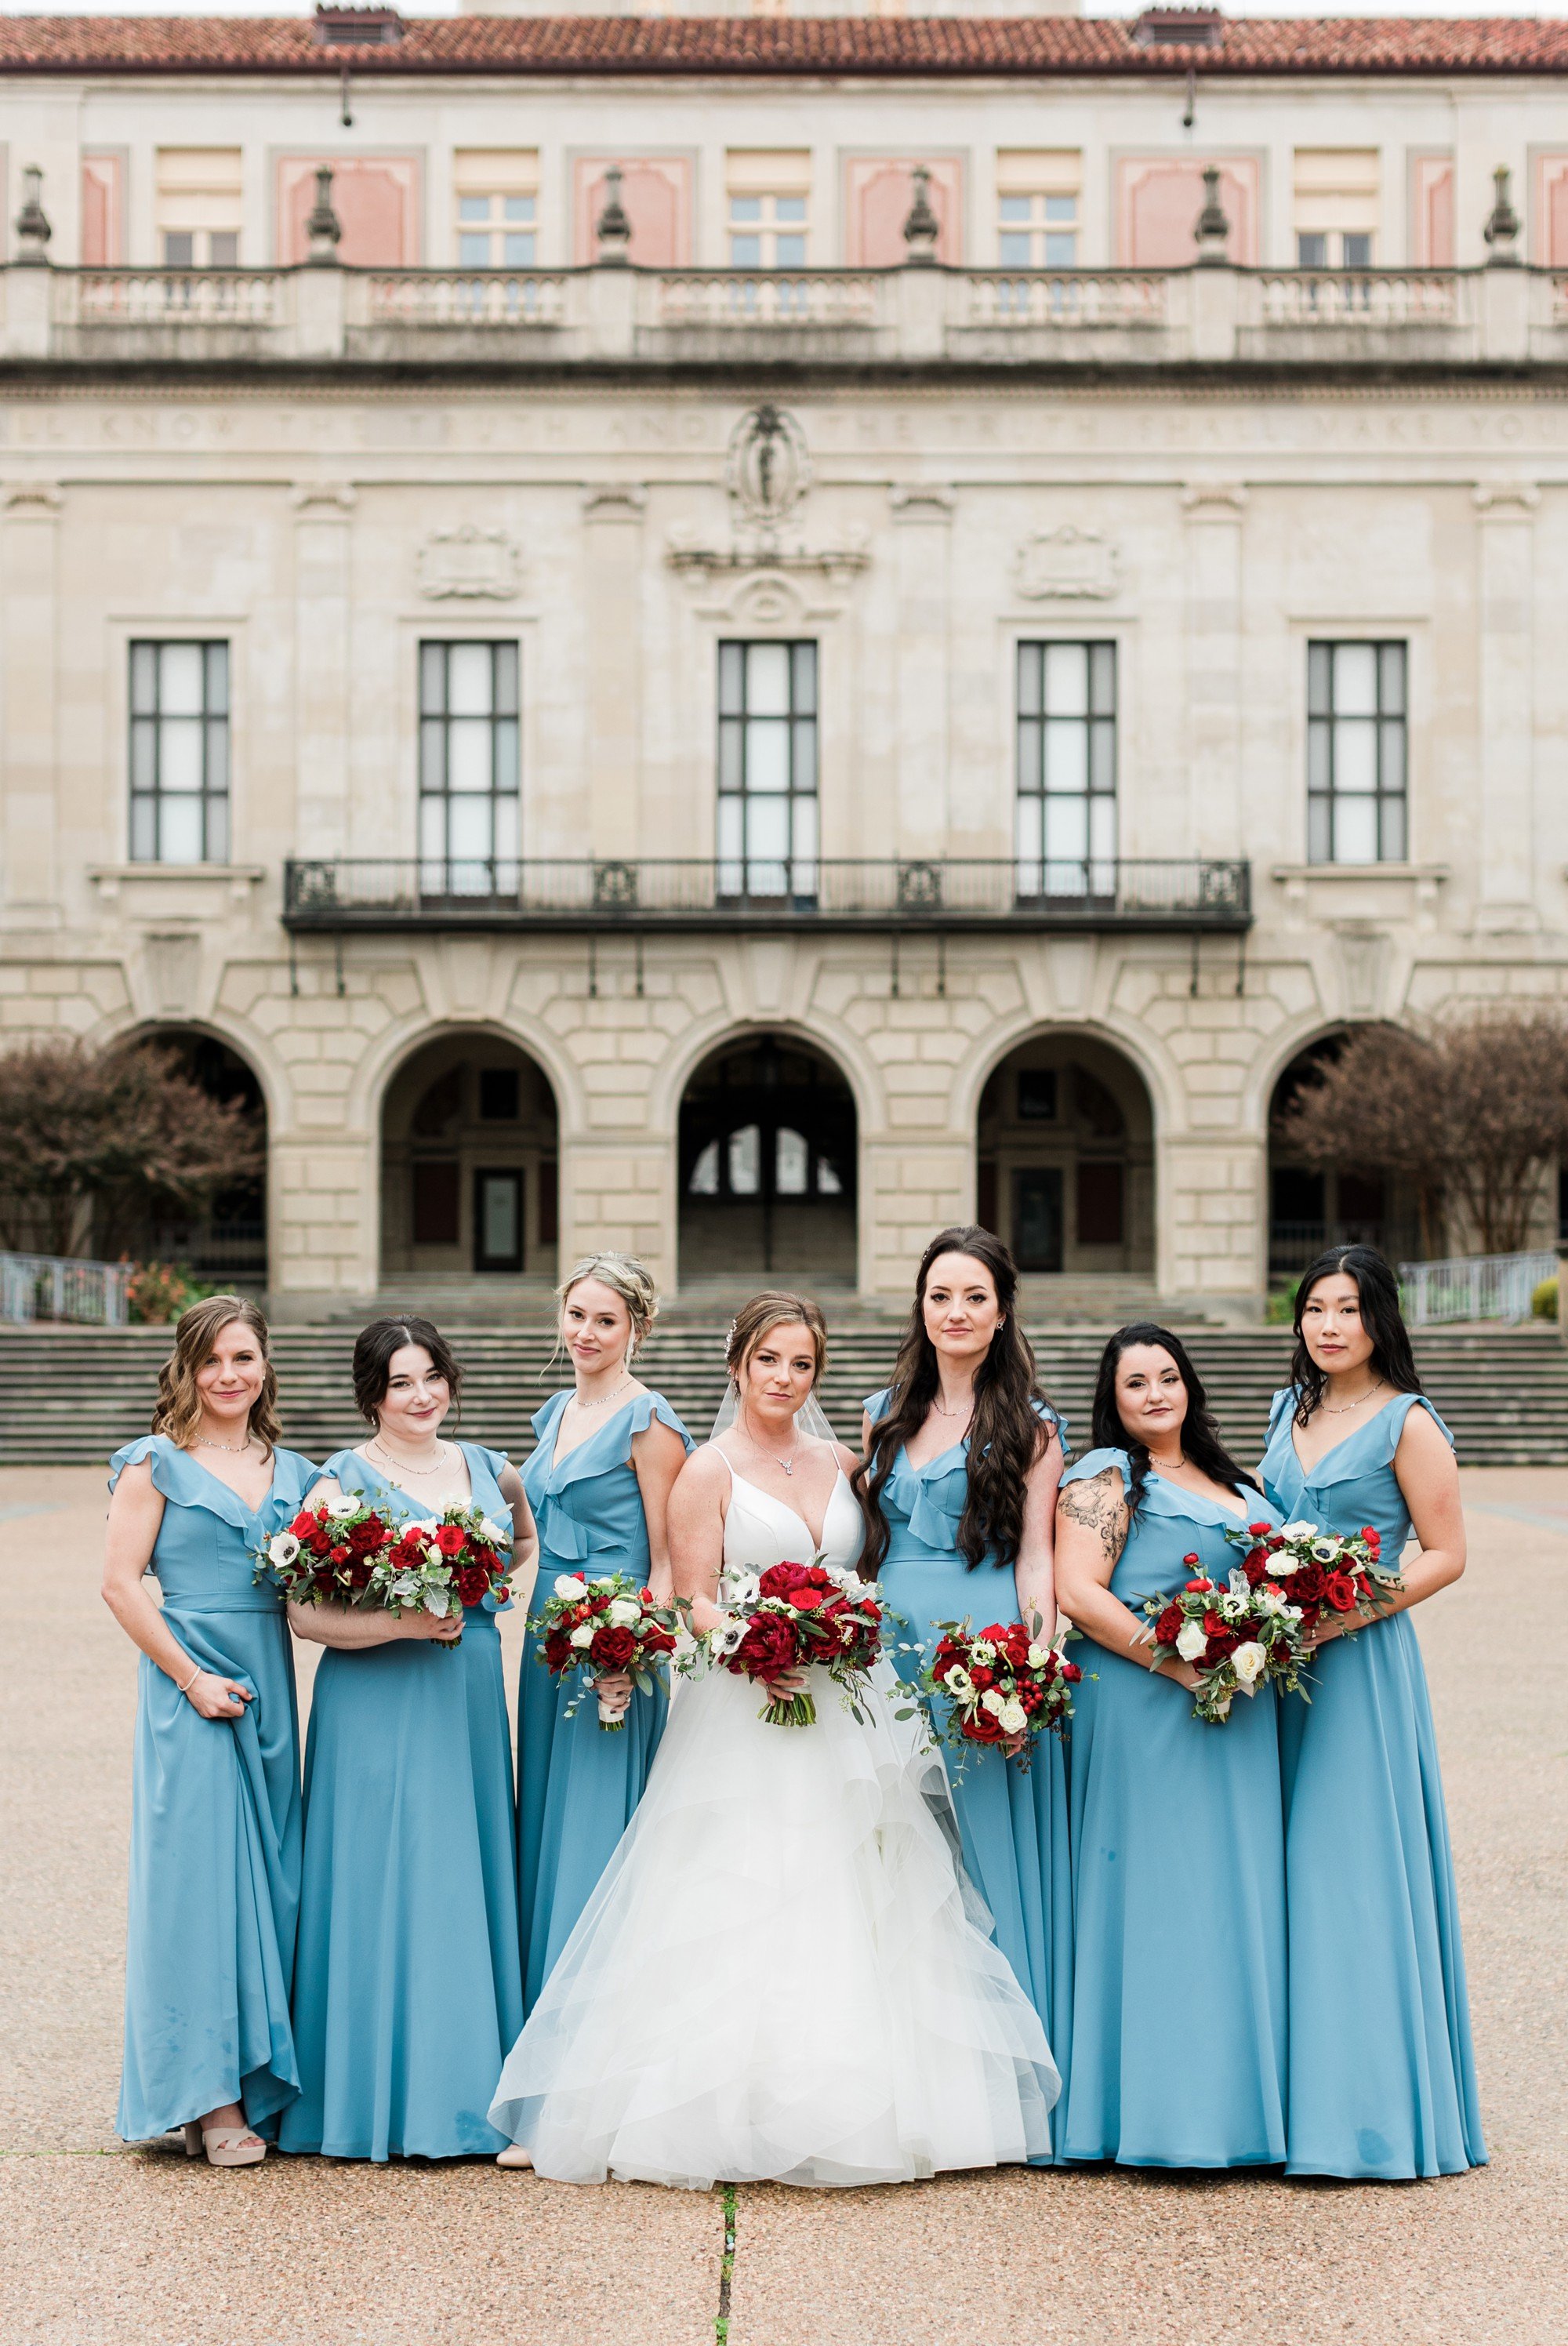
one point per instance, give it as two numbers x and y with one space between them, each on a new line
234 1449
772 1457
404 1466
953 1413
1346 1407
605 1399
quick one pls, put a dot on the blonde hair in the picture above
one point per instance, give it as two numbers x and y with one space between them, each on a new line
625 1277
178 1411
774 1308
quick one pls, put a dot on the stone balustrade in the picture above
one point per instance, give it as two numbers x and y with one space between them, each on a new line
927 317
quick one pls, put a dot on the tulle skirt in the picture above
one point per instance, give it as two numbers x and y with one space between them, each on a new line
782 1974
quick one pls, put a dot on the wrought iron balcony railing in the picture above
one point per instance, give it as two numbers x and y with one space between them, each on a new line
824 893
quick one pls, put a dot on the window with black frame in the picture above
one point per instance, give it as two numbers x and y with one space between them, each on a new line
1357 761
1065 822
767 771
469 769
179 753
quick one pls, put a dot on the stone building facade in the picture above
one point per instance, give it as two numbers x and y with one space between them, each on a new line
827 728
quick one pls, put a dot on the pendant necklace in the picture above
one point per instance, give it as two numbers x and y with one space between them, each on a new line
1346 1407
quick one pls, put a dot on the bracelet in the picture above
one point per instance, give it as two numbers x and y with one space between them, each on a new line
190 1681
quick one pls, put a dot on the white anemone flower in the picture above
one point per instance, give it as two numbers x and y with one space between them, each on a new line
282 1548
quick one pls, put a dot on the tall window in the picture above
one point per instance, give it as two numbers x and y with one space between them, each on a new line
1037 193
1356 753
768 197
179 753
1066 821
768 770
468 768
497 195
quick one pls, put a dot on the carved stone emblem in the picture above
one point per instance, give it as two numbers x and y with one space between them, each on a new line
770 469
1068 565
469 564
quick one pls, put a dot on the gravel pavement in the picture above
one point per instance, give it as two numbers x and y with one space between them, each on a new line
111 2247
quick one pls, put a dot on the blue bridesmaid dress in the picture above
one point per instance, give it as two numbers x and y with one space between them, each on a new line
576 1785
1382 2075
1180 1997
214 1816
407 1989
1012 1825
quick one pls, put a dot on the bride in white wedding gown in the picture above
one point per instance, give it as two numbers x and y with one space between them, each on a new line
782 1974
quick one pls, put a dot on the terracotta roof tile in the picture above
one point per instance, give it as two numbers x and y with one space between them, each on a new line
812 46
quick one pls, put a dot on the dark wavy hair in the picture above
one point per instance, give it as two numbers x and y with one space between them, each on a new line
1200 1439
1006 1436
373 1350
1392 1359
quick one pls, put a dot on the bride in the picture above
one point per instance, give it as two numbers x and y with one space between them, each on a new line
782 1974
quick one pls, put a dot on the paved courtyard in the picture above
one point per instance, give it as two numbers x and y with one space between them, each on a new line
111 2247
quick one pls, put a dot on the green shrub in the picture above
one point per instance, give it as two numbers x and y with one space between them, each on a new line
1280 1308
1543 1302
160 1291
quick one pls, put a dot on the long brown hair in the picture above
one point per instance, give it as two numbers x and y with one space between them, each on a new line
1007 1434
178 1411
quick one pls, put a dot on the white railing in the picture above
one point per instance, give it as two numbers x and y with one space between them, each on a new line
1063 298
467 297
1472 1287
741 296
1344 297
58 1287
193 297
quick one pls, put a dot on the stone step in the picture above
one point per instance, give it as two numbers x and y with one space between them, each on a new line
72 1395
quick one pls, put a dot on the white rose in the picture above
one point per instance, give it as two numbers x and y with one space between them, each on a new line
1282 1566
624 1613
606 1579
283 1547
1037 1657
569 1586
583 1634
994 1702
1191 1639
1247 1662
1013 1718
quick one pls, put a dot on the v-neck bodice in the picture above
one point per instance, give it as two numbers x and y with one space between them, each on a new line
361 1479
588 1506
209 1541
1352 1484
761 1530
1171 1523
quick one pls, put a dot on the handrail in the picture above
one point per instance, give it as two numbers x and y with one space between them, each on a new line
1473 1287
63 1286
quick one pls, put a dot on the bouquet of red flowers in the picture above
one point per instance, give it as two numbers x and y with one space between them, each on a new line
328 1556
1237 1638
604 1625
1002 1682
1321 1572
796 1616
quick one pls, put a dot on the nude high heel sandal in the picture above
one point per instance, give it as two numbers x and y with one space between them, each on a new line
514 2155
224 2146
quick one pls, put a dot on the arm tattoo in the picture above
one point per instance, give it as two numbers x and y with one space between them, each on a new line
1099 1507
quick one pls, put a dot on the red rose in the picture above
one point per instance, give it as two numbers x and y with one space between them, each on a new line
304 1524
557 1651
1254 1569
1221 1648
612 1649
982 1677
1371 1534
1197 1587
1307 1585
783 1580
1192 1559
340 1556
807 1599
656 1640
474 1584
1168 1626
980 1726
450 1540
1071 1673
1260 1531
1340 1591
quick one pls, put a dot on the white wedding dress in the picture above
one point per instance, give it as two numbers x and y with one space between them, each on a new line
782 1974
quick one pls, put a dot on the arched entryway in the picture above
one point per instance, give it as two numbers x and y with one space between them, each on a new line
1066 1163
222 1242
767 1151
469 1162
1311 1207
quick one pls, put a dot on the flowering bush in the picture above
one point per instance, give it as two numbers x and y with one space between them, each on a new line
600 1626
1341 1572
1001 1683
1246 1635
157 1292
796 1616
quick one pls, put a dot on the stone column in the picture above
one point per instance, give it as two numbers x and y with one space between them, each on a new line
30 553
1505 749
1215 511
324 591
924 517
613 533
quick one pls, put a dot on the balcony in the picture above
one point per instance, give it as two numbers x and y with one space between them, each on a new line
944 895
929 318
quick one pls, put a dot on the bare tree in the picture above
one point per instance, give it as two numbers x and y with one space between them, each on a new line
108 1136
1473 1113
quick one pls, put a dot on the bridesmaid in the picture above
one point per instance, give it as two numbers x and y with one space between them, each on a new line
1178 1847
1382 2075
408 1990
215 1810
599 1483
963 1457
